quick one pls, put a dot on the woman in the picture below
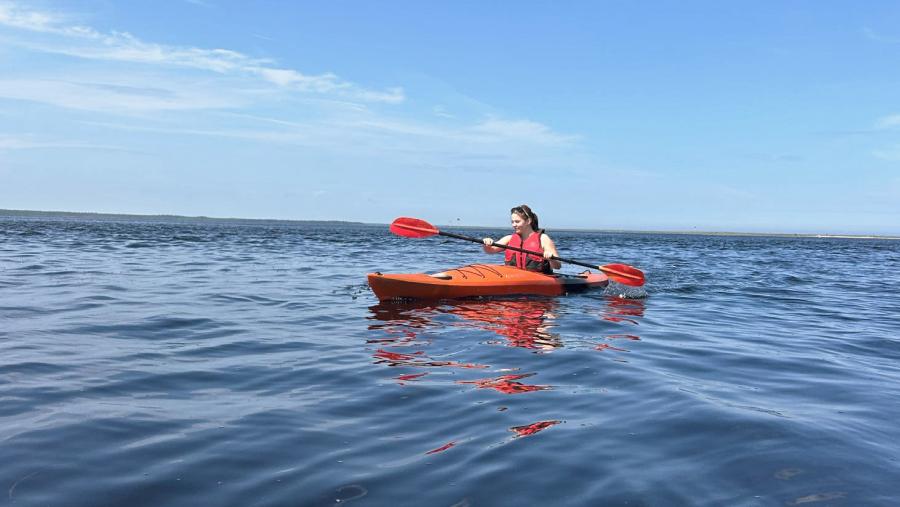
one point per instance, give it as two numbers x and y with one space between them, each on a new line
527 234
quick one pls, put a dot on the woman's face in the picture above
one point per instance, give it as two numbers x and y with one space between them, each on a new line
519 222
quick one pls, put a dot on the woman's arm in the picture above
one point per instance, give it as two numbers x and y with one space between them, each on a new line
550 251
489 244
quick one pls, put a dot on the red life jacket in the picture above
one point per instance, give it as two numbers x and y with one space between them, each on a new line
528 261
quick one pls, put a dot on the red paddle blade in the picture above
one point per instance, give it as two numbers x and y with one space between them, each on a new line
413 228
624 274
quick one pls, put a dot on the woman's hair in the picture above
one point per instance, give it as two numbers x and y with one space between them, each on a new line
525 212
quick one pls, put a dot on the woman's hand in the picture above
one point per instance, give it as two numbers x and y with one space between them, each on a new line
492 247
550 251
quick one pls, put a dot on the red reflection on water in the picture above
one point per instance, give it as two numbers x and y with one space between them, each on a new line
506 384
624 306
527 323
442 448
396 356
624 336
410 377
531 429
402 337
619 309
418 359
524 323
604 346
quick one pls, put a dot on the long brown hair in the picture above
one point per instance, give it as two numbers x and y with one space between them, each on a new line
525 212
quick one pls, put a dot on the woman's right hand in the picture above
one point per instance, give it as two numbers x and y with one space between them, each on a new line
488 242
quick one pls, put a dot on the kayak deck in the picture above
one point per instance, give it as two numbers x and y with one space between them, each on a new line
477 280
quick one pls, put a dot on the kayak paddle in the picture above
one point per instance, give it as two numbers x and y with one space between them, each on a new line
415 228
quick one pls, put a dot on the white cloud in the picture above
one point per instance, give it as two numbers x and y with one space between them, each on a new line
87 43
889 121
13 143
367 135
528 131
325 112
891 154
877 37
9 143
17 17
494 134
442 112
113 96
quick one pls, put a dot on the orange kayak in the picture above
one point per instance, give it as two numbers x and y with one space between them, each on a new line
480 280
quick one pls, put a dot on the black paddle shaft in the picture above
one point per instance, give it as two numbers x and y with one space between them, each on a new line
517 249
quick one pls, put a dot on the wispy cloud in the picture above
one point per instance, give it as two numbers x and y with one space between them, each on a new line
889 121
113 96
441 111
495 129
399 143
65 38
237 93
877 37
14 143
891 154
20 17
9 143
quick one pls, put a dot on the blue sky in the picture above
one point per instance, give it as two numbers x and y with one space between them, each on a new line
671 115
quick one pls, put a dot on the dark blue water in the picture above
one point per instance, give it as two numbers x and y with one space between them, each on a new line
194 364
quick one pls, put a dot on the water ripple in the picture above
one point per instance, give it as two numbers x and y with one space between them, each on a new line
162 363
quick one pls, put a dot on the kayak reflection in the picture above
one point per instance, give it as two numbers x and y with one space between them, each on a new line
525 323
436 343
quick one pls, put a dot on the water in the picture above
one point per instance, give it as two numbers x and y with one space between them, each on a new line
153 363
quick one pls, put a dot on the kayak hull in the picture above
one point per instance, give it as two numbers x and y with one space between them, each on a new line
480 280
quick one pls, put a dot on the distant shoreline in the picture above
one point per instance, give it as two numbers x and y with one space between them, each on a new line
83 215
80 215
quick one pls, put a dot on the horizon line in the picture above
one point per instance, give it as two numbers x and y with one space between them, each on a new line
60 214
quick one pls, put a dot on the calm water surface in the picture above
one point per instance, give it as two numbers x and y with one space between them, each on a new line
205 363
